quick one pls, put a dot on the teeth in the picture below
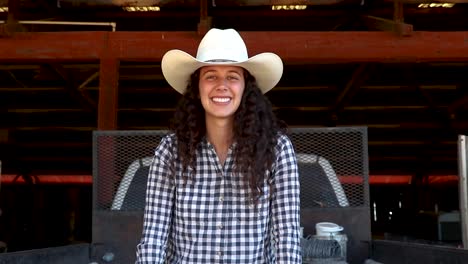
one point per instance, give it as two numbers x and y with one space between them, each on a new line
221 100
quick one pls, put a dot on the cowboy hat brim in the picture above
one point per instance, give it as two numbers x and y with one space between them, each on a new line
177 66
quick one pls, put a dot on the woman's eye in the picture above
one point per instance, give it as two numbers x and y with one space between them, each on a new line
233 78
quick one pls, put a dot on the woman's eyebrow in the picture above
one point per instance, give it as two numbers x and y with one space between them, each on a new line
235 71
208 71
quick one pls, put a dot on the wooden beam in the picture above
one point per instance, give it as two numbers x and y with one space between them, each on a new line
300 47
11 25
293 47
205 21
358 77
16 79
454 106
108 89
53 46
108 94
81 96
82 87
398 27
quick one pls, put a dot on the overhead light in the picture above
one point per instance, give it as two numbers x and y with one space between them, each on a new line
141 8
435 5
288 7
3 9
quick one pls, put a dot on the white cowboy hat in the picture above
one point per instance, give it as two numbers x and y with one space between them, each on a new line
221 47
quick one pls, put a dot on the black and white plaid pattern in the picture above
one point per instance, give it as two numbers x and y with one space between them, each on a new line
209 219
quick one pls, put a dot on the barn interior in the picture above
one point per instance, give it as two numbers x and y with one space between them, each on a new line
413 100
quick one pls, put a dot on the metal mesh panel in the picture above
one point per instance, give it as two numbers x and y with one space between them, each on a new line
333 173
333 166
121 161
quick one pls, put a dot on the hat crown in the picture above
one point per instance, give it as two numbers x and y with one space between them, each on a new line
222 45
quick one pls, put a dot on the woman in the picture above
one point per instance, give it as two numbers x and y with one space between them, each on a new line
223 187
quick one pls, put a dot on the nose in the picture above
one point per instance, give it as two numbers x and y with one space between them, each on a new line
222 85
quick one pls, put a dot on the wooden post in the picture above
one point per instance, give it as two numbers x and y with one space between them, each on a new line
107 120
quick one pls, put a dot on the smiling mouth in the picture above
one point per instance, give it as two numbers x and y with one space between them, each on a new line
221 99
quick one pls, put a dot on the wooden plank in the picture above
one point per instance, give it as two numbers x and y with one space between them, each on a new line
108 94
301 47
293 47
398 27
52 46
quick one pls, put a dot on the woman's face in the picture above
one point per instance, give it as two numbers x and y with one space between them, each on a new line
221 89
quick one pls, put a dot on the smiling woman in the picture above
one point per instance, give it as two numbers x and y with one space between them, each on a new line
224 184
221 89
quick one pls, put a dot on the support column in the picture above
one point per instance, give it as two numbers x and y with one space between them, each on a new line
107 175
205 21
108 93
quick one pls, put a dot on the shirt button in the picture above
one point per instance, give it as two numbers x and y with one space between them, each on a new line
221 198
220 226
220 253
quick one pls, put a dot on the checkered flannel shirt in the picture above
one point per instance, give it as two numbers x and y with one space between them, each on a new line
210 218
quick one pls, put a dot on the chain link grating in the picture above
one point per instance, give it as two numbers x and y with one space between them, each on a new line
332 166
121 163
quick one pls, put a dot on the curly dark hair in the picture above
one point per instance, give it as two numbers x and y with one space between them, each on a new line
256 129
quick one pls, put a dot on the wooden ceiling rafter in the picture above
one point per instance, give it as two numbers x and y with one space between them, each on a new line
12 76
82 87
206 13
11 25
397 25
205 23
459 103
359 76
441 117
293 47
80 95
414 84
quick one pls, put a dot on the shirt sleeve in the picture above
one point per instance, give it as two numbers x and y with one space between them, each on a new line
286 205
157 219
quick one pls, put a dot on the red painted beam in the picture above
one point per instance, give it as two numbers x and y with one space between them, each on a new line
74 46
49 179
362 46
373 179
150 46
309 46
293 47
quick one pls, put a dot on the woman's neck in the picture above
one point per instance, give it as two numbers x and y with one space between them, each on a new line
219 133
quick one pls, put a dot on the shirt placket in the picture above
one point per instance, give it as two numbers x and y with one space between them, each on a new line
220 208
221 223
